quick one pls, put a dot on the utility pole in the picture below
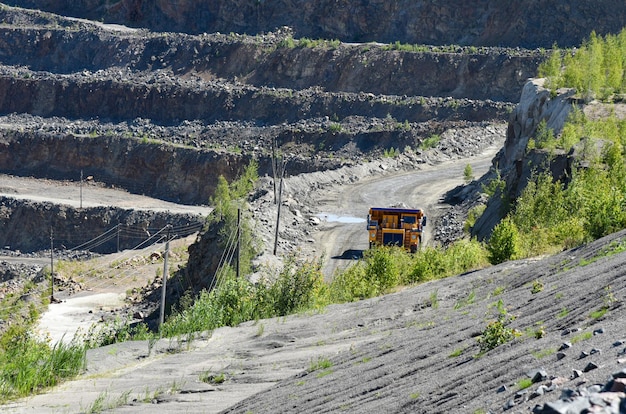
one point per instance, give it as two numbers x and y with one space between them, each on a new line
274 166
280 196
51 266
238 268
165 275
81 189
118 237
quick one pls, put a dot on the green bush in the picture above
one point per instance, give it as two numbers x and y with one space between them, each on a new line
468 174
351 284
429 263
28 364
298 287
497 332
378 272
504 242
227 200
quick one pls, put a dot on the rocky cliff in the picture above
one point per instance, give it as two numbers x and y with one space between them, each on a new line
515 162
528 24
26 226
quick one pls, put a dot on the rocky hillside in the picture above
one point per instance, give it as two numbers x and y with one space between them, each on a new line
527 24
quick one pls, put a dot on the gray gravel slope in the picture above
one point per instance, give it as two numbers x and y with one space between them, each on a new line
388 354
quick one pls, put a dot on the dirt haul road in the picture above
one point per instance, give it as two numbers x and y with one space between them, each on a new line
343 210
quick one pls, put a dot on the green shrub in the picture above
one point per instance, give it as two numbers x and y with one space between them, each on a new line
427 264
472 216
335 127
351 284
430 142
382 267
497 332
468 174
28 364
504 242
298 287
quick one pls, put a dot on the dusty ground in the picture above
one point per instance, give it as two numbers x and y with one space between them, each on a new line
397 353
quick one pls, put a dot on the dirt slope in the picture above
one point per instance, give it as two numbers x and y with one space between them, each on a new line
396 353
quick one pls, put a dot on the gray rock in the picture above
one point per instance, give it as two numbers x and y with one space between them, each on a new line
619 374
539 375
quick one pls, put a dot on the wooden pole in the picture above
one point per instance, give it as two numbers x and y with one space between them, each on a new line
51 266
165 275
280 196
238 242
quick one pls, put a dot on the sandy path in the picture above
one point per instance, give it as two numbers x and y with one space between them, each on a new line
93 195
62 321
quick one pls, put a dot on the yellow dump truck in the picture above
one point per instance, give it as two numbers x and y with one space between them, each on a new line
396 226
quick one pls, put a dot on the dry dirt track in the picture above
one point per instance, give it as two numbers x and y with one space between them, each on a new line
93 195
343 209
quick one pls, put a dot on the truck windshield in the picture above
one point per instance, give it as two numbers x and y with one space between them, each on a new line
409 219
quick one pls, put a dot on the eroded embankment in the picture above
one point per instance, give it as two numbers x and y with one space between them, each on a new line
27 226
120 94
486 73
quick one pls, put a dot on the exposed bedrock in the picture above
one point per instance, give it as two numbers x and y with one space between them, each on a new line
529 24
26 226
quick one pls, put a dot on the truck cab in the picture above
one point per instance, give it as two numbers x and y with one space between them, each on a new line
396 226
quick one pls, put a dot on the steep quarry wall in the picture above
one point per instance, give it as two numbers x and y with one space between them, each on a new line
182 175
26 226
112 95
529 24
515 162
495 74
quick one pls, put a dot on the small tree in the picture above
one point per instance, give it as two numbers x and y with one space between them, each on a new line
468 174
504 242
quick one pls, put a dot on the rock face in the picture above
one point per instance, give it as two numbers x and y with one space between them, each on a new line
529 24
181 175
515 162
25 226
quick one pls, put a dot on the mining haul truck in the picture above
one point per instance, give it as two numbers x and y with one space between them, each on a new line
396 226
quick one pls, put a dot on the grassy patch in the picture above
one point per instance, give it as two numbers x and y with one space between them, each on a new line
320 363
457 352
543 353
597 314
537 286
211 378
581 337
524 383
470 299
562 313
433 300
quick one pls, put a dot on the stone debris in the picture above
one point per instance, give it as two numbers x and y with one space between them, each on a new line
608 398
